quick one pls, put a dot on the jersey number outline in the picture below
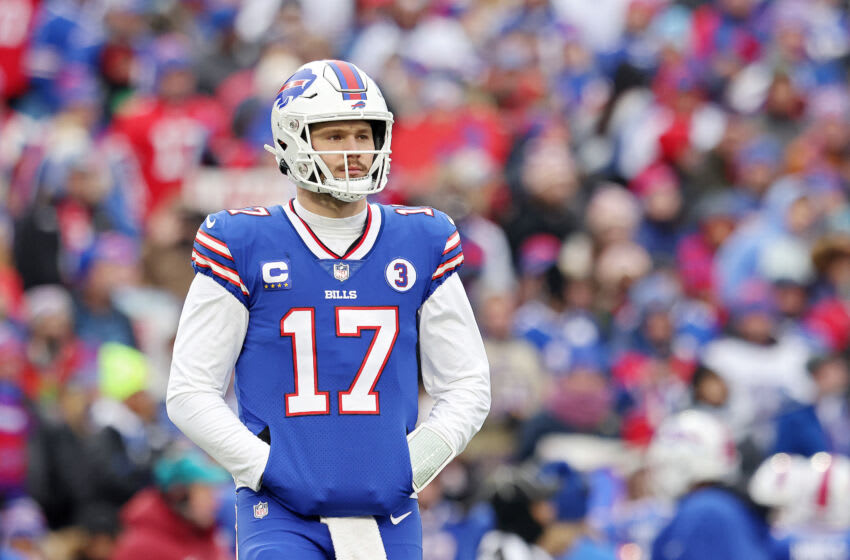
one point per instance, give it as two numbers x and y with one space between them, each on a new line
410 211
251 211
299 323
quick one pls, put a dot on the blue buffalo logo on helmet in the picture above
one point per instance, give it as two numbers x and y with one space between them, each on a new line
296 85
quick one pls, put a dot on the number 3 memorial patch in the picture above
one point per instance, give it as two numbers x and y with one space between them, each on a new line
400 275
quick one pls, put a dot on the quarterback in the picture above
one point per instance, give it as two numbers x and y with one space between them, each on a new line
328 308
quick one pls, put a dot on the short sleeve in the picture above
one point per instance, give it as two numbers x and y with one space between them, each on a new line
212 257
451 253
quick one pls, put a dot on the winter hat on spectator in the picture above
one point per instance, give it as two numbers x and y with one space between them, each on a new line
108 247
167 53
47 301
77 86
538 253
754 297
572 496
786 261
659 290
122 371
22 519
759 151
657 176
187 468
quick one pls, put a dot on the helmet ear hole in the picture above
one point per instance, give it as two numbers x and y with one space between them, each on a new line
379 129
282 165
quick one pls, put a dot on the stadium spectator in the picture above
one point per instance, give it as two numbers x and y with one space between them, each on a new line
522 511
23 531
689 149
54 354
172 131
108 265
570 536
129 433
824 424
176 518
762 367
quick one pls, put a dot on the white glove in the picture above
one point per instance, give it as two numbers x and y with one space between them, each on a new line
430 452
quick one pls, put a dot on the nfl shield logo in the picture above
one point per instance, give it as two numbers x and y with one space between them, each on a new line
341 271
261 510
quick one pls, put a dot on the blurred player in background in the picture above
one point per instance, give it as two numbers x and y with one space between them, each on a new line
692 458
809 499
328 307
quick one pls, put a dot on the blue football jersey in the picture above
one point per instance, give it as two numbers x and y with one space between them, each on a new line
329 363
712 523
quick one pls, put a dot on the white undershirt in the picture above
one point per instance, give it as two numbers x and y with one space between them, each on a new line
336 233
212 328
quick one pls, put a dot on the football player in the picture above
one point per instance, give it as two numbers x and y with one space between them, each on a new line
692 459
328 307
809 499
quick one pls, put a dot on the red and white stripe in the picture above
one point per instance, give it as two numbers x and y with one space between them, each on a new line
292 84
452 243
213 244
373 228
220 270
447 266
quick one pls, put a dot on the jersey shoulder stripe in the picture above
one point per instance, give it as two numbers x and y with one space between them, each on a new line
223 272
448 266
452 256
452 243
214 254
211 243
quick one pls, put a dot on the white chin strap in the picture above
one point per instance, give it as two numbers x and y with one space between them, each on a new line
339 188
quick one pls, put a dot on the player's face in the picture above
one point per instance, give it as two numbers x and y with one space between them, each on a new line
351 136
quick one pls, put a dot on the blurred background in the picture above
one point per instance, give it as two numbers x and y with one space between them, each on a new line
652 197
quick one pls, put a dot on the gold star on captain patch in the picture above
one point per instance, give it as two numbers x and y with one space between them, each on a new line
278 285
266 285
286 285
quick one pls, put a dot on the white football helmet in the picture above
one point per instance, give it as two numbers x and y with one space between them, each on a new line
779 481
832 494
811 491
323 91
690 448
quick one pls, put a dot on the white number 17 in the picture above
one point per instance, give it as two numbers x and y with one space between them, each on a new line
361 397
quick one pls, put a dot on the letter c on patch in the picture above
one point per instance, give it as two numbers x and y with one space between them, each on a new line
277 271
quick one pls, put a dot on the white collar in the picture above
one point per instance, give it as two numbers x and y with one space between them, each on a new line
372 217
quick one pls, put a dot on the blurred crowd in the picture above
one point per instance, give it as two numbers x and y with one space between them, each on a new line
654 203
